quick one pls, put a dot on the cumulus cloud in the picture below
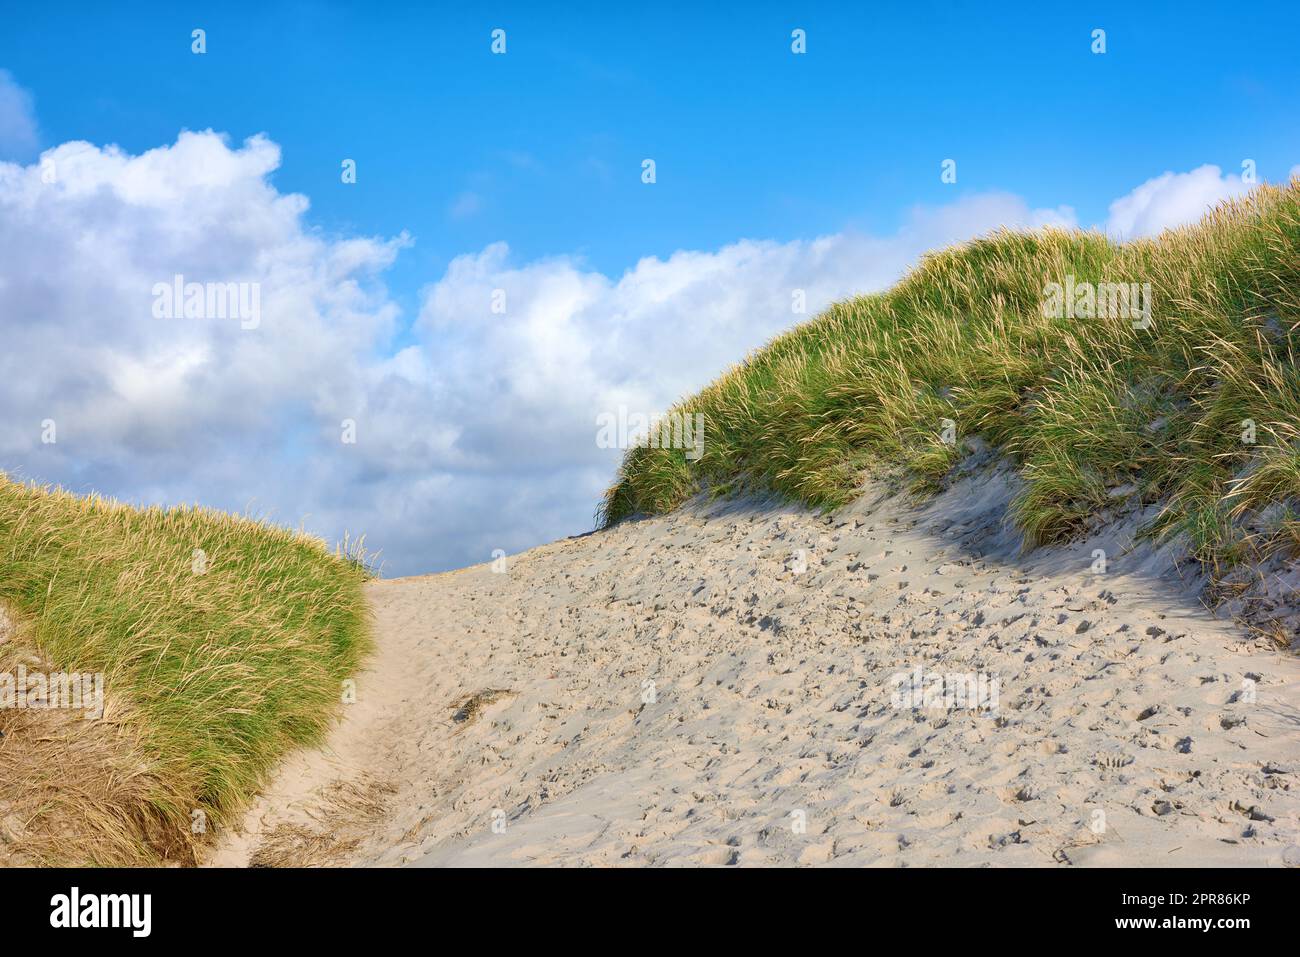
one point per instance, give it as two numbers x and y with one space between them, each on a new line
87 235
515 360
18 135
479 433
1171 199
567 342
171 409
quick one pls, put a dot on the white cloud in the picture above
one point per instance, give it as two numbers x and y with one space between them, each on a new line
507 403
179 408
1171 199
573 342
18 134
82 256
478 434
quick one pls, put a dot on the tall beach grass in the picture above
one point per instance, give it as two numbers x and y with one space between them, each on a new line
223 642
1197 410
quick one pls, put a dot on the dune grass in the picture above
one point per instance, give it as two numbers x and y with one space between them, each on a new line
223 643
1197 410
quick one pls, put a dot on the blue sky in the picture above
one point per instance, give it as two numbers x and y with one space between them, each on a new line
541 149
749 139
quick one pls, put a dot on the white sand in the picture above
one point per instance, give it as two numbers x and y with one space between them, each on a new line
1132 727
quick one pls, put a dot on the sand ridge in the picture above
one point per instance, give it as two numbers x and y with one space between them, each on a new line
717 687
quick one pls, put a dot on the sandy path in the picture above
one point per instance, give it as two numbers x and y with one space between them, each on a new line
714 687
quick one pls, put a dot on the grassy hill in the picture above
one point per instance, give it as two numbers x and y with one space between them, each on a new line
1194 405
223 643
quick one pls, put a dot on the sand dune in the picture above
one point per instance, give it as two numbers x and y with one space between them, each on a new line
718 686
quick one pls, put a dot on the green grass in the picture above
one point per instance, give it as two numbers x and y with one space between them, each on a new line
215 675
1080 405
